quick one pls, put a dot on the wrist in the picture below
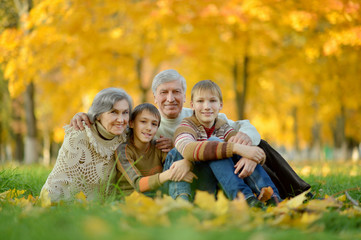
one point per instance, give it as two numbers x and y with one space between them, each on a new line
164 176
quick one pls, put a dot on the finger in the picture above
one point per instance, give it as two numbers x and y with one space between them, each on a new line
87 121
239 167
166 150
231 139
162 140
79 124
244 173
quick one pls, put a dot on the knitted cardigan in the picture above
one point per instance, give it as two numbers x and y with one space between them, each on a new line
84 163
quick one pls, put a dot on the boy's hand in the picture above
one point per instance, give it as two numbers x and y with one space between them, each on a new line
247 167
180 169
78 119
164 144
189 177
241 138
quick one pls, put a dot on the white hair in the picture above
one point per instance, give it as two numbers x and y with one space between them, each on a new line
168 75
104 101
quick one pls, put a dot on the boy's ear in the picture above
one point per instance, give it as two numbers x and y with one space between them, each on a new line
131 124
192 105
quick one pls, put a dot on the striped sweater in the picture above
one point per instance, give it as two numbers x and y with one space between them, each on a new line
190 140
139 171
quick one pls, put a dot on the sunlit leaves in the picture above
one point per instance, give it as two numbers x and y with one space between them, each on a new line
204 213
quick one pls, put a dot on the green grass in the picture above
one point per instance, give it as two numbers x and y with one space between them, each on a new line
108 221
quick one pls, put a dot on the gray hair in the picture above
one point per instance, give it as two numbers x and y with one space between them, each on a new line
104 101
168 76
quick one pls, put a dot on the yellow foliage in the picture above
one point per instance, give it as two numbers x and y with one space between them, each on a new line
45 200
81 197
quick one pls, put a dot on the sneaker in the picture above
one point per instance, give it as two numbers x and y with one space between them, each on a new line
254 202
274 201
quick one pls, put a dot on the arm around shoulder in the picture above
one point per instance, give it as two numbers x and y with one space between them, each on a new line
244 126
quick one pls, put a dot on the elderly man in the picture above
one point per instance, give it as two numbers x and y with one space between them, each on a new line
169 88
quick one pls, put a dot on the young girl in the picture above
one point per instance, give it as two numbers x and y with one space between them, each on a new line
139 162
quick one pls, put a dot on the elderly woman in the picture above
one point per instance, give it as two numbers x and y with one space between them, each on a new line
85 161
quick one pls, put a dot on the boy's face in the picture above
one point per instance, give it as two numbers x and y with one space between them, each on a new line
206 106
144 127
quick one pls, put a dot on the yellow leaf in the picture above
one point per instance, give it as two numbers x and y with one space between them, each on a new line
44 198
266 194
81 196
296 201
207 202
95 227
322 205
342 198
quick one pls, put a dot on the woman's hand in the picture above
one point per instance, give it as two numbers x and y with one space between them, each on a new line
164 144
246 165
77 121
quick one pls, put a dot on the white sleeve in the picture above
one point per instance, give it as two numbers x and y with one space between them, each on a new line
244 126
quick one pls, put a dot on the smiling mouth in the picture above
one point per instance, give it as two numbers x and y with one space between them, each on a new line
171 106
147 135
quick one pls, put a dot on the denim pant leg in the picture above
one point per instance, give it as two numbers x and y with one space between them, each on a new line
231 184
260 179
175 188
206 180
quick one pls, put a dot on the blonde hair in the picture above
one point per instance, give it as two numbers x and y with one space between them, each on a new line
207 85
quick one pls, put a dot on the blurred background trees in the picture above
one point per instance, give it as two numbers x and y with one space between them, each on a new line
291 67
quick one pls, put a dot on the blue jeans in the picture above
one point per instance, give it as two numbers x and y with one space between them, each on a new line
210 173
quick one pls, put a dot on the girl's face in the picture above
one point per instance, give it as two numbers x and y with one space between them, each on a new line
116 120
145 126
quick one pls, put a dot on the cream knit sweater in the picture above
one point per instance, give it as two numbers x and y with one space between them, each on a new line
85 163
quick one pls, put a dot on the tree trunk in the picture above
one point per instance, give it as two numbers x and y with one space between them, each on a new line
240 85
339 136
296 143
46 149
139 71
31 143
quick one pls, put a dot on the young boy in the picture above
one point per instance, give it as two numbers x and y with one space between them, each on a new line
202 139
139 162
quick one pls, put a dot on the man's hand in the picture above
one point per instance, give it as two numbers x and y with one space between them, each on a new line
180 169
246 165
78 119
251 152
241 138
164 144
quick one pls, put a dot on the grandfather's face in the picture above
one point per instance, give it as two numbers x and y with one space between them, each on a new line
170 97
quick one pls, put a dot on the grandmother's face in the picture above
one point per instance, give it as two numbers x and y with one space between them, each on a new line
116 120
